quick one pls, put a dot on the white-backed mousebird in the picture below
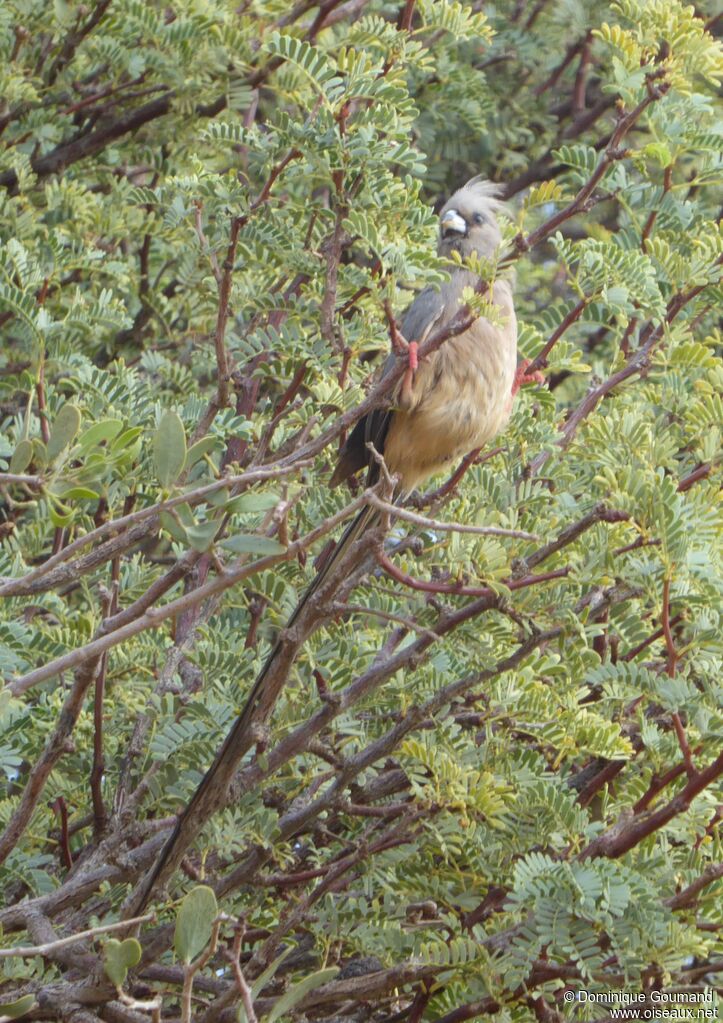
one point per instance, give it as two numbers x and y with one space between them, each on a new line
457 399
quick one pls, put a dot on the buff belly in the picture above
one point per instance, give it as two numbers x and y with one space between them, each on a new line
461 399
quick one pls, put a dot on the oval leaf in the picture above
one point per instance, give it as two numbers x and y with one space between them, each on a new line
194 922
126 438
201 535
173 527
253 503
99 433
169 449
248 543
14 1010
22 456
79 494
118 957
40 453
65 428
202 447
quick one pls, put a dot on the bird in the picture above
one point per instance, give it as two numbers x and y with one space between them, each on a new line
460 396
450 402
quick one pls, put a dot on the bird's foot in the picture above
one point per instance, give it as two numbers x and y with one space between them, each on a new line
523 377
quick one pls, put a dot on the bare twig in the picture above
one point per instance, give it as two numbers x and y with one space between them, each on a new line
28 951
127 535
447 527
154 616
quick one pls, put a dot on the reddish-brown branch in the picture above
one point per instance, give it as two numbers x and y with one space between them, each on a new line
683 743
473 458
657 784
711 827
653 638
650 222
257 606
535 13
45 763
611 154
404 22
601 513
224 296
603 777
111 90
540 360
701 473
578 92
492 903
552 79
59 807
421 1000
688 896
637 363
42 406
74 38
458 589
621 838
100 816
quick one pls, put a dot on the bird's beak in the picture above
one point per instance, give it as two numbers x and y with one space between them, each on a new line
453 223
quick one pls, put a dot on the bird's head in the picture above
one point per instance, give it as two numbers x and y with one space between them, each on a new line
467 222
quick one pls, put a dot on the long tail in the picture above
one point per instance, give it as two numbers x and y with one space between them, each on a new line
210 794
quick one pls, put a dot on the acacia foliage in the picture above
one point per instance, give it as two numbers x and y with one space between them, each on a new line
495 768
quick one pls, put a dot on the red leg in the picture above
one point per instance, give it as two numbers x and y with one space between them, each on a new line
522 377
412 366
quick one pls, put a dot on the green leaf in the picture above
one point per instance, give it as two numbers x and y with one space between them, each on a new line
40 453
119 957
169 449
79 494
251 502
173 527
201 535
262 980
248 543
18 1008
126 438
298 991
65 428
99 433
202 447
194 923
22 456
60 514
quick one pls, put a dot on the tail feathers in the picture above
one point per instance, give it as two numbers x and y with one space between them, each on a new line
211 792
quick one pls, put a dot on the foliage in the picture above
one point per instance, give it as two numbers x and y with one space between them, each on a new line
495 772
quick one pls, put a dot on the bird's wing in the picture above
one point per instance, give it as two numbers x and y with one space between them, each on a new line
426 310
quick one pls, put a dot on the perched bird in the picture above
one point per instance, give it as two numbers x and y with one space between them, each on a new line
455 400
461 395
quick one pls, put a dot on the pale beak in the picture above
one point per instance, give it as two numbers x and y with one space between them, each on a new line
452 222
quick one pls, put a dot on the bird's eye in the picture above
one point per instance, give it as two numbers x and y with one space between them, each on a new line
479 218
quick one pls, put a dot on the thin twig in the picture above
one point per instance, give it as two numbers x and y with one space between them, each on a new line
28 951
154 616
447 527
